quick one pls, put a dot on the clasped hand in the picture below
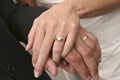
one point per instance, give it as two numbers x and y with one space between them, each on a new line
79 48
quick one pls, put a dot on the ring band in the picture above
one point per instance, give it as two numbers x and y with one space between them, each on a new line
84 38
59 39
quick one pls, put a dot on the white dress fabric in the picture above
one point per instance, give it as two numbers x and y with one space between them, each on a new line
107 29
48 3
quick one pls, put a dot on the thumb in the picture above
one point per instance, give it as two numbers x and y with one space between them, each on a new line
51 67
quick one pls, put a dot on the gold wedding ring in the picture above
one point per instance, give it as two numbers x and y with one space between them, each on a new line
85 37
60 39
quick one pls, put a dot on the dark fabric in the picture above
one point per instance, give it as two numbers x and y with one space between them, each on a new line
4 75
22 20
7 8
15 23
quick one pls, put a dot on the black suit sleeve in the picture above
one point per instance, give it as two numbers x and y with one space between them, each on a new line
22 20
19 18
15 62
7 8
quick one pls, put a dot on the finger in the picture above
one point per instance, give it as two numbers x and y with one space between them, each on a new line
93 44
69 68
77 62
66 66
43 54
51 67
88 57
90 44
37 44
31 34
99 52
58 47
69 43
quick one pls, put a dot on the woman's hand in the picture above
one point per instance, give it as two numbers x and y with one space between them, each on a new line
58 21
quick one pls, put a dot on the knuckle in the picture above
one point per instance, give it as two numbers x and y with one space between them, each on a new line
82 66
56 50
35 50
63 23
69 47
43 53
74 26
87 53
42 24
52 27
75 59
36 20
93 47
95 38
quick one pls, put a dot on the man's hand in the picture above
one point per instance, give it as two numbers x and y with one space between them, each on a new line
84 58
89 51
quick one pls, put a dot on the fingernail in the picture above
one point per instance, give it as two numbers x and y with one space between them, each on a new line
36 74
26 48
34 65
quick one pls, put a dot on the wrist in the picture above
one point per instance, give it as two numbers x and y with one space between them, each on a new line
90 8
79 7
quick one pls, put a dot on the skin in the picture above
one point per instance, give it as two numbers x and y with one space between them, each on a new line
56 21
93 58
78 59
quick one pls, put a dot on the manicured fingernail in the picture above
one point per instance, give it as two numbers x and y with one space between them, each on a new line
36 74
26 48
34 65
